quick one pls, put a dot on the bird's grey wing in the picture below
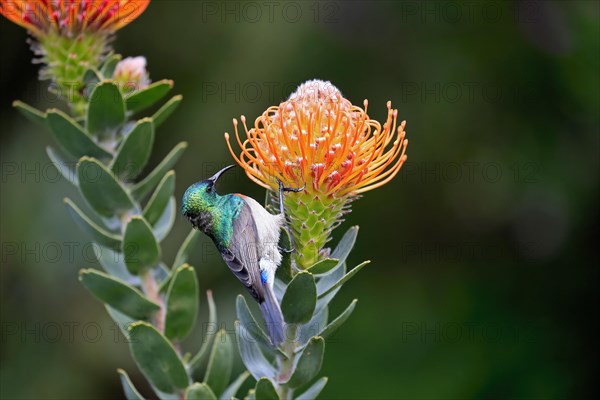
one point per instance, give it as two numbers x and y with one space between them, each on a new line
242 256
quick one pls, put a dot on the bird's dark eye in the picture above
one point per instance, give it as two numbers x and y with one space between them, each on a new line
209 188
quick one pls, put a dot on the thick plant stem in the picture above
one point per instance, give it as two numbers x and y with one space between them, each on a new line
286 365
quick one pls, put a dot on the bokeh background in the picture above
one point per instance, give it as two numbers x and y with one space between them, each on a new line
484 248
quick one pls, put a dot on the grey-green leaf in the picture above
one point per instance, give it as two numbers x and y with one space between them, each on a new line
110 63
123 321
166 110
72 138
284 272
101 189
309 363
313 327
131 393
100 235
106 110
265 390
186 246
339 321
144 98
253 358
160 198
140 247
144 187
198 359
220 363
61 165
323 266
313 392
233 388
345 245
182 303
199 391
156 358
300 298
113 262
252 327
163 226
29 112
134 151
344 279
117 294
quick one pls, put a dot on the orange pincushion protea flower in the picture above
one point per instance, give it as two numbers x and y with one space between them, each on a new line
70 17
319 139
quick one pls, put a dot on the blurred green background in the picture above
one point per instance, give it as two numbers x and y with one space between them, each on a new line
484 248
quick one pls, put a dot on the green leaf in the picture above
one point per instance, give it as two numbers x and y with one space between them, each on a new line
344 279
163 226
101 189
72 138
220 363
140 247
234 387
144 187
309 363
110 63
253 358
160 198
100 235
198 359
313 392
144 98
61 165
166 110
117 294
106 110
182 303
186 246
29 112
300 298
129 390
156 358
339 321
199 391
134 151
252 327
265 390
323 266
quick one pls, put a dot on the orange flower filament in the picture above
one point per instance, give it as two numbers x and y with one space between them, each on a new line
70 17
319 139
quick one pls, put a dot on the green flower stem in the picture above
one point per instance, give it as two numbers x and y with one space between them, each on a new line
151 290
286 365
312 217
66 60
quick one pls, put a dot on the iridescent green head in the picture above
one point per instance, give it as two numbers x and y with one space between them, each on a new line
200 201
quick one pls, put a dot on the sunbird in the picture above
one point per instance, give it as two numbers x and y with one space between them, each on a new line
247 236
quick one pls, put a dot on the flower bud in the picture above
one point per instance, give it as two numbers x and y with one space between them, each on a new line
130 74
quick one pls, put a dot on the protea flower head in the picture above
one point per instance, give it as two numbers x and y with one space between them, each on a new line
320 140
71 36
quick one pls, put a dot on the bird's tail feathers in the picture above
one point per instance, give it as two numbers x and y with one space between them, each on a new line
273 317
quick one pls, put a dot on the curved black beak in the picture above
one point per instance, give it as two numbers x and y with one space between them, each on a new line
216 176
